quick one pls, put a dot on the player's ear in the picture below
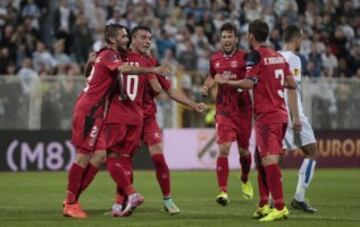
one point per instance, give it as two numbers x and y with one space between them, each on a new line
112 40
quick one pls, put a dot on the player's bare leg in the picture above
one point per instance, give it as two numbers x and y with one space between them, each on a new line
306 173
222 172
163 177
245 162
71 206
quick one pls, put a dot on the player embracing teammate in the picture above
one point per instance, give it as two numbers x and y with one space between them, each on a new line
267 73
88 126
114 133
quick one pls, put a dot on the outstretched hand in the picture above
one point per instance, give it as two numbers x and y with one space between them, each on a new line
201 107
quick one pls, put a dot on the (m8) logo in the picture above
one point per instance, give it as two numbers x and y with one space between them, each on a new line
53 155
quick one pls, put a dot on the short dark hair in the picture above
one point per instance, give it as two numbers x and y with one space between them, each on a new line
291 32
111 31
230 27
138 28
259 29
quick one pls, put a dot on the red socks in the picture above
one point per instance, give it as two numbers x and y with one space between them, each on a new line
245 163
273 178
263 188
222 171
126 163
88 177
118 175
162 174
74 182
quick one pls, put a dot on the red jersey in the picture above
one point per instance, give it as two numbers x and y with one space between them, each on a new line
270 68
130 110
149 103
100 83
230 101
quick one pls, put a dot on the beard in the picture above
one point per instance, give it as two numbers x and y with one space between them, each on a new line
230 51
120 48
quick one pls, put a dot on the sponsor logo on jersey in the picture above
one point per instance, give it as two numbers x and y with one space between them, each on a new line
229 75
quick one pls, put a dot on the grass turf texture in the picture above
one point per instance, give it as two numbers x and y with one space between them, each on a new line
35 198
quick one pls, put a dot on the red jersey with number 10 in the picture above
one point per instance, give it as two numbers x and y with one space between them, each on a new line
130 110
270 68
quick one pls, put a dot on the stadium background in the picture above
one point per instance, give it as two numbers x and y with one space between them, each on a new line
44 45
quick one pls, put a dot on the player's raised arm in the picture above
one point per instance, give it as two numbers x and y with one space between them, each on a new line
155 85
130 69
181 98
247 83
252 61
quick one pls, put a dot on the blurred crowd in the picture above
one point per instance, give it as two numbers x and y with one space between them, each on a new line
55 37
41 37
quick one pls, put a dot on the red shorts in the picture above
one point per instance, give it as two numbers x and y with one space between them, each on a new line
88 133
122 138
230 129
269 138
151 131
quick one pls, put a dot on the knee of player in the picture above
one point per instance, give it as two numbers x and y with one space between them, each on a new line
243 152
313 155
224 149
310 151
155 149
98 158
82 159
269 160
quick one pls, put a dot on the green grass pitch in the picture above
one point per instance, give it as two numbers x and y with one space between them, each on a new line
34 199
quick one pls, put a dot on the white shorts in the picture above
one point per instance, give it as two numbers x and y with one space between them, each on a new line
306 136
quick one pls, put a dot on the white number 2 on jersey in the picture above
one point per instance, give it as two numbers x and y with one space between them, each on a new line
279 73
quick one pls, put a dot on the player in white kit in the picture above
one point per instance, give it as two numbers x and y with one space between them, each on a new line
305 139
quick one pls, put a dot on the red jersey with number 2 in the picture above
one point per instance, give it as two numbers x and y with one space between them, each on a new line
100 82
270 68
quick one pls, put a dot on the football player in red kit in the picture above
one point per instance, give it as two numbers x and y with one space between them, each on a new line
151 133
89 115
267 74
233 111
